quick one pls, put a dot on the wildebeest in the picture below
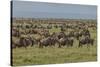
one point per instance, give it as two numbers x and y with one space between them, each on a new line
77 35
21 42
44 33
86 40
65 41
71 34
45 42
15 33
55 26
49 41
49 26
61 35
31 40
85 32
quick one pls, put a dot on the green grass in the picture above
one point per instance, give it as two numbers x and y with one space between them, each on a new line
54 30
53 55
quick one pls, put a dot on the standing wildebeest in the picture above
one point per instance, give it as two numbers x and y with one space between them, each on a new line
54 39
87 40
48 41
71 34
15 33
45 42
55 26
77 35
44 33
85 32
21 42
31 40
65 41
61 35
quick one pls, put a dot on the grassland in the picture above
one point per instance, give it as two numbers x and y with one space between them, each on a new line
53 55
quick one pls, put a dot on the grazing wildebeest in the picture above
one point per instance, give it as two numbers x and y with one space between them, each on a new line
86 40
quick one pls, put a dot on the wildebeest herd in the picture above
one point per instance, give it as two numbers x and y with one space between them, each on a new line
51 32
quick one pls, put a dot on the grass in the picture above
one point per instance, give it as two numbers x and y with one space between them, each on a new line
53 55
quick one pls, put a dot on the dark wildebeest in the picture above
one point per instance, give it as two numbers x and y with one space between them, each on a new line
24 42
45 33
49 41
27 26
21 42
45 42
61 35
62 29
31 40
13 45
35 31
54 39
77 35
87 40
15 33
71 34
55 26
65 41
85 32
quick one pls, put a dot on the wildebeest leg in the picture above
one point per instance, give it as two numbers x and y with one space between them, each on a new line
25 47
71 43
32 43
68 44
52 45
40 45
80 45
25 43
59 46
77 37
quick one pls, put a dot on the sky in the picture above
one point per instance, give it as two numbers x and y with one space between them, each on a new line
27 9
